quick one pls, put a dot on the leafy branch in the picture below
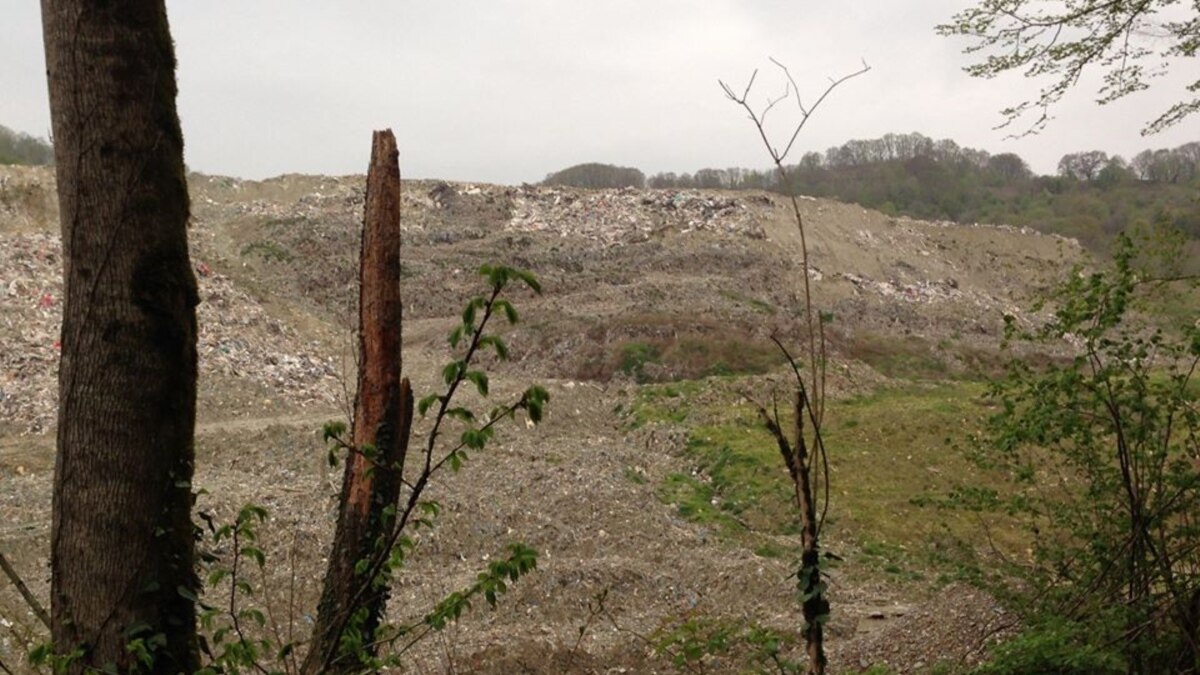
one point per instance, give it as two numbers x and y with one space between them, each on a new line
392 546
1061 41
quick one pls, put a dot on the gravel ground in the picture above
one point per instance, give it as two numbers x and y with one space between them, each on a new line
275 260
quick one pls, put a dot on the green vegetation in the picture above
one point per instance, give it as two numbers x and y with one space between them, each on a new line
1100 451
898 357
1130 43
701 645
685 356
1094 196
594 175
21 148
267 251
635 355
754 303
891 460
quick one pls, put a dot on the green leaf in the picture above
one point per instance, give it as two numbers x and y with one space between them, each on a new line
468 316
480 379
216 576
254 615
425 402
530 280
472 438
187 593
451 371
461 413
534 401
333 429
496 343
252 511
253 552
510 312
497 275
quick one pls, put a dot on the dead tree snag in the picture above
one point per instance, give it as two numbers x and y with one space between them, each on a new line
382 421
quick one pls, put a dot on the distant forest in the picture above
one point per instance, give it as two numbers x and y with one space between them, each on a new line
1093 197
20 148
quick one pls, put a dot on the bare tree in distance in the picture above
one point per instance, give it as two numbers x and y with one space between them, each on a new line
803 454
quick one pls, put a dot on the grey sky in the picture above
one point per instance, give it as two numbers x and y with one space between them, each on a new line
507 91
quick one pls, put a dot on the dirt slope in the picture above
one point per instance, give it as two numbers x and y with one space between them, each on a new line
692 280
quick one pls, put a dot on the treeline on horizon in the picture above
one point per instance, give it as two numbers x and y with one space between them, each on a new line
21 148
1094 195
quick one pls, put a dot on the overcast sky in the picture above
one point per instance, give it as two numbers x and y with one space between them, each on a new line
508 91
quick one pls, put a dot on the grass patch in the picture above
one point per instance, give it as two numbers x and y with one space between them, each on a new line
917 359
663 404
633 357
906 358
267 251
687 357
891 456
755 304
671 347
698 502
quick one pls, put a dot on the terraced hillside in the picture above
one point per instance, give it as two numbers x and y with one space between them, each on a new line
654 323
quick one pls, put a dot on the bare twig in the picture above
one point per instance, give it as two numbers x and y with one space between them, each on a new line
272 615
291 630
806 461
779 158
595 609
30 600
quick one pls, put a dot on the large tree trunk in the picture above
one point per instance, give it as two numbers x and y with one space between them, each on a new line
122 539
382 419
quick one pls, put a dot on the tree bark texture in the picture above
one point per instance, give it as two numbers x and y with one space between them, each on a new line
382 419
815 607
122 556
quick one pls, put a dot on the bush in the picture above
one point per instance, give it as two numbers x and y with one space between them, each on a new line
1103 453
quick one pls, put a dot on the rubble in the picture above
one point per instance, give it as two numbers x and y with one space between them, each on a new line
237 337
30 289
615 217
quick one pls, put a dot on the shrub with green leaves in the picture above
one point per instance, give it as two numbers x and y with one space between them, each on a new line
1102 449
242 634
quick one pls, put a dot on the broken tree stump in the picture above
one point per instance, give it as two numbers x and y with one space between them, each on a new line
382 422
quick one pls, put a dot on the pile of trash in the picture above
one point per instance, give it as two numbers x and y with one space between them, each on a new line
237 337
291 197
923 290
628 215
30 315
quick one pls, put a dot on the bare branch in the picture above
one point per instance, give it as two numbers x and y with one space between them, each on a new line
30 600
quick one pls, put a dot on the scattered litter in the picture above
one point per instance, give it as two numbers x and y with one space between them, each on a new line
237 337
628 215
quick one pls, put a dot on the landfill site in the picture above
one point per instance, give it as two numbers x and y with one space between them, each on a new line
639 287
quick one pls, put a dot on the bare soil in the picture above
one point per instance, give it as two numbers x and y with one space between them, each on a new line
622 270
